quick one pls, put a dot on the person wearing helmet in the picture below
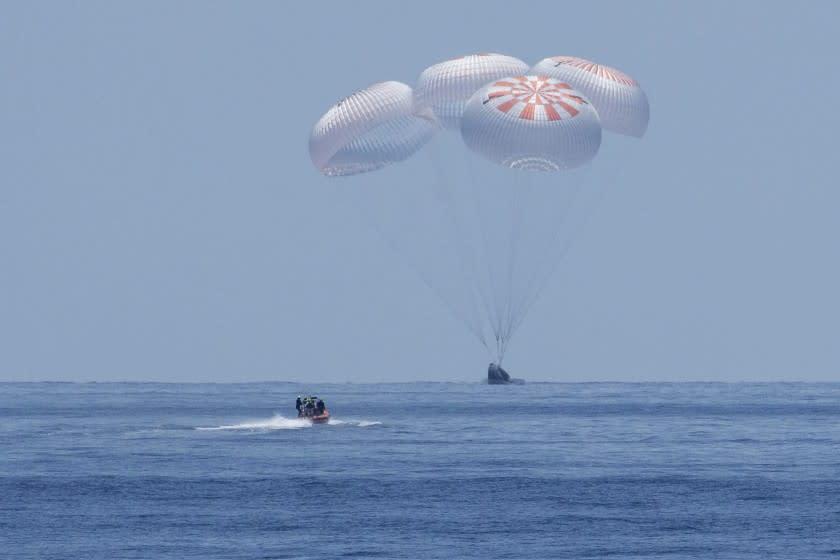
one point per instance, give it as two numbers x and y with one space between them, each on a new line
309 406
321 407
299 405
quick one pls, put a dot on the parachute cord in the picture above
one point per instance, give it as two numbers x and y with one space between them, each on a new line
540 283
515 239
493 314
446 192
373 222
537 281
600 193
512 243
601 188
478 253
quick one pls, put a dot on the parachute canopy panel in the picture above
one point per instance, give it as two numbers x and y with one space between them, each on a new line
368 130
446 87
621 103
531 122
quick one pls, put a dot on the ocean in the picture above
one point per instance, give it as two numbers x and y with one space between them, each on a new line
420 470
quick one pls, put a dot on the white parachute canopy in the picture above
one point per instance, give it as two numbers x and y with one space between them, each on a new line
447 86
621 103
368 130
531 122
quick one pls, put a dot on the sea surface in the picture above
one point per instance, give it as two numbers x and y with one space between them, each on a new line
420 470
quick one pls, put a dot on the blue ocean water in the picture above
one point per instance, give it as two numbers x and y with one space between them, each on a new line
421 470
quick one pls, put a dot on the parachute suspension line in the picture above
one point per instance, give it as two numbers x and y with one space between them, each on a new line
553 258
511 248
512 197
474 256
589 210
600 189
493 313
374 223
481 259
446 190
538 280
520 190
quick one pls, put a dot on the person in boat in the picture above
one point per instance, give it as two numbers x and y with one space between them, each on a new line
321 407
299 405
309 406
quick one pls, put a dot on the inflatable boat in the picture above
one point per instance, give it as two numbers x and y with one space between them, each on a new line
319 418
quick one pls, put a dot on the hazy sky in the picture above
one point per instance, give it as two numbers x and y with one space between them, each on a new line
160 218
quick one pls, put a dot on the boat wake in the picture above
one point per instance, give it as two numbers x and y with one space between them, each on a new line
357 423
279 422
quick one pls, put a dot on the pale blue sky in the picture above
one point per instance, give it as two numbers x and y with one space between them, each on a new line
160 218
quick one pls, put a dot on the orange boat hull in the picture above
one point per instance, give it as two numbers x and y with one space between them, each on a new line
320 418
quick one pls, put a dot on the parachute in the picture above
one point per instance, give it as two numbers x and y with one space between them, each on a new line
446 87
621 103
372 128
531 122
484 211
